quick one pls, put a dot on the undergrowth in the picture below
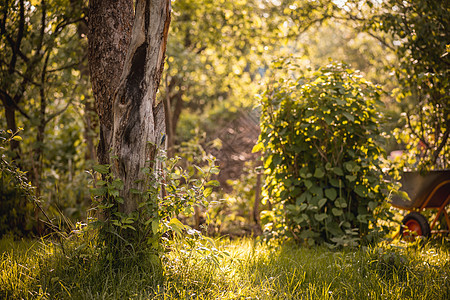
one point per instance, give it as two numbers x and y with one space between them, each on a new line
238 269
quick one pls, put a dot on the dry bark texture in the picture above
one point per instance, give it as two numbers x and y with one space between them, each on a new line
138 119
130 118
110 24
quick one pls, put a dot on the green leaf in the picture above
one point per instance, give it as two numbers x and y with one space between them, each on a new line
105 206
300 199
303 206
319 173
308 184
348 116
155 226
118 184
98 191
207 192
340 101
317 190
328 119
299 219
128 221
214 170
135 191
331 193
213 183
258 147
199 169
336 211
322 202
114 193
334 182
320 217
350 166
129 226
303 171
361 190
292 207
338 171
176 226
277 159
341 203
362 218
102 169
372 205
350 178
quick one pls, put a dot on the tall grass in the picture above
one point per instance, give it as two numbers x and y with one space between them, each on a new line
239 269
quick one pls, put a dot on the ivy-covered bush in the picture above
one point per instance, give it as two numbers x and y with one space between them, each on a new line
321 157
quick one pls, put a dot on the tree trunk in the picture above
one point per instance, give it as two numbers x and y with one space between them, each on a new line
110 23
9 102
137 121
10 115
173 106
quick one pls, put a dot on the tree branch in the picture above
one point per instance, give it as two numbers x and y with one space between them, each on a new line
441 145
421 138
8 100
68 66
16 47
54 115
7 36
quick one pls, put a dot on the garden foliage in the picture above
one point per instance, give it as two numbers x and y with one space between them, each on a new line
170 191
17 195
421 34
321 157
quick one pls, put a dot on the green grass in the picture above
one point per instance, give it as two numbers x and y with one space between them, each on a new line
246 270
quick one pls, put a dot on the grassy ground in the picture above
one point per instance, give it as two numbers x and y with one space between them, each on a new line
239 269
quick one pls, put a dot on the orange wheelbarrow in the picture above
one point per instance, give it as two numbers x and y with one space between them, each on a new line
427 191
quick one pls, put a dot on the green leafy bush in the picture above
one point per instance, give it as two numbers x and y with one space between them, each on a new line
321 157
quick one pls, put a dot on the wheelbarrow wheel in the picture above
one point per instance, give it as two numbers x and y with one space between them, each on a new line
415 222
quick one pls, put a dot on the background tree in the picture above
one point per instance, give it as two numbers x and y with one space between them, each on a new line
42 53
217 52
420 33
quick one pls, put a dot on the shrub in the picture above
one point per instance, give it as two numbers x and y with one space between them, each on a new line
319 139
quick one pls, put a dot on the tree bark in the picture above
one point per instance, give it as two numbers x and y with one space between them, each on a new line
110 23
132 122
139 122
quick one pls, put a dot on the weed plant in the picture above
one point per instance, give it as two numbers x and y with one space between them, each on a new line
200 268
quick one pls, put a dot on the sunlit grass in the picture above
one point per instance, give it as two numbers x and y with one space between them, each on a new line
242 269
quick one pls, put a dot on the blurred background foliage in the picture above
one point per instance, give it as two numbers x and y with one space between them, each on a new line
219 56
